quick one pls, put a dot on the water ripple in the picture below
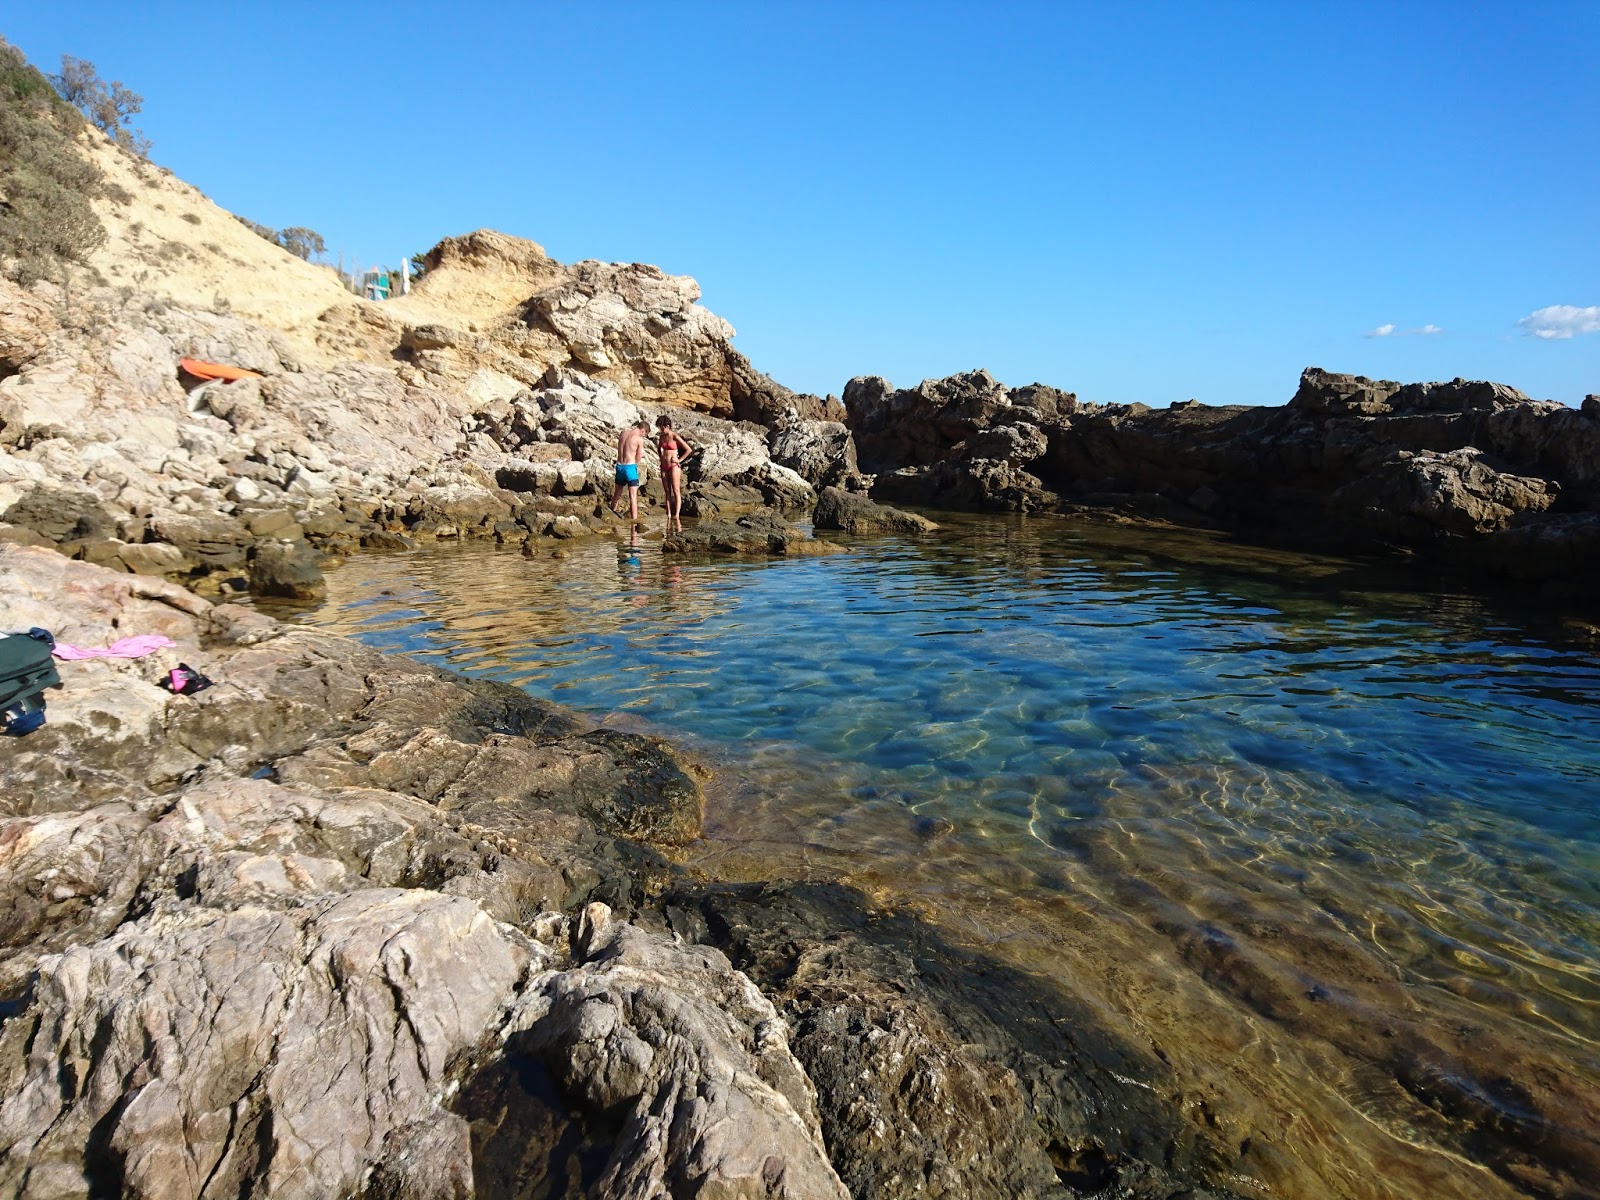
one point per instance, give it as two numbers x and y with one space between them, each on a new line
1364 819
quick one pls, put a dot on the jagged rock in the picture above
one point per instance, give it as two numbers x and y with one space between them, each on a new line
1328 392
823 453
288 569
838 509
978 485
963 1085
756 533
761 400
210 1048
1423 494
921 425
690 1059
639 327
1017 444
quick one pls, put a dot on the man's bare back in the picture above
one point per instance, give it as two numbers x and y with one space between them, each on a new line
630 445
630 448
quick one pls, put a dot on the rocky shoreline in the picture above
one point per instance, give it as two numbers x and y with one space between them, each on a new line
345 925
1473 477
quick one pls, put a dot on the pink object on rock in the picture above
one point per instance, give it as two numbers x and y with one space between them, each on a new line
128 647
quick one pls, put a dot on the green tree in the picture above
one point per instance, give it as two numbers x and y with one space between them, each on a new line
46 182
107 105
301 242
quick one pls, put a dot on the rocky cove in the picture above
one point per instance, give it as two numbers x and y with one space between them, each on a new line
345 924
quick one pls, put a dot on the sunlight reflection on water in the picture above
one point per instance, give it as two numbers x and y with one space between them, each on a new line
1355 828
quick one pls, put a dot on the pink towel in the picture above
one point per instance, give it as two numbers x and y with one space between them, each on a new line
128 647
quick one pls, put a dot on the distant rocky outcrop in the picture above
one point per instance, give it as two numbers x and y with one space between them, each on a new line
1475 474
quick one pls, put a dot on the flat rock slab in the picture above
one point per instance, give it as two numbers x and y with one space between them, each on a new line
839 509
761 533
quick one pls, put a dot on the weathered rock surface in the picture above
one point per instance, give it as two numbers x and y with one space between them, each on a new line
823 453
256 940
102 450
759 533
837 509
940 1076
1444 468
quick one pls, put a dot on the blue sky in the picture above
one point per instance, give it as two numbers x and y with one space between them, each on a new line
1134 201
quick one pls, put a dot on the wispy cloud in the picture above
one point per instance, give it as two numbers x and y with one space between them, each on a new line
1393 330
1561 321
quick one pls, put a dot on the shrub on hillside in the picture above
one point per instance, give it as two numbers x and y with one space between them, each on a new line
301 242
107 105
46 182
257 228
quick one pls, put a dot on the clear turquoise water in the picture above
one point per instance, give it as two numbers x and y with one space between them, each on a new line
1386 801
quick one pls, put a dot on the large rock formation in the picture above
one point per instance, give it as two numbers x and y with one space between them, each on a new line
110 453
1474 473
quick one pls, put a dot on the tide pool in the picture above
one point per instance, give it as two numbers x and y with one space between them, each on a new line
1331 844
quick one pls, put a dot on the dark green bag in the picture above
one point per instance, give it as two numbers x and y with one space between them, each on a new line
26 669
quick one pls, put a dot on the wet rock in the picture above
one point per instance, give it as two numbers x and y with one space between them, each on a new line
385 539
721 499
61 514
837 509
288 569
939 1074
761 533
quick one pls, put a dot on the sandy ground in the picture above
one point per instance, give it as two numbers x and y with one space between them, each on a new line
167 238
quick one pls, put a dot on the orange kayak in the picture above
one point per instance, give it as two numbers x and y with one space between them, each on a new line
207 370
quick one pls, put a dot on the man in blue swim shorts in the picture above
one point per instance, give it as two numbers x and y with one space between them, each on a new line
630 448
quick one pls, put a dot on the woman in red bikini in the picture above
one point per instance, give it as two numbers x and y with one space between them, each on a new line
675 450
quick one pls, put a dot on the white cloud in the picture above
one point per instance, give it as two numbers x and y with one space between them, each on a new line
1393 330
1562 321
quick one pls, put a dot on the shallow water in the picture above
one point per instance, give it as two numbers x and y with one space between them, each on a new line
1331 851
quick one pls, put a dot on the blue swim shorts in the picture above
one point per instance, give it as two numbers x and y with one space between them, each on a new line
628 473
